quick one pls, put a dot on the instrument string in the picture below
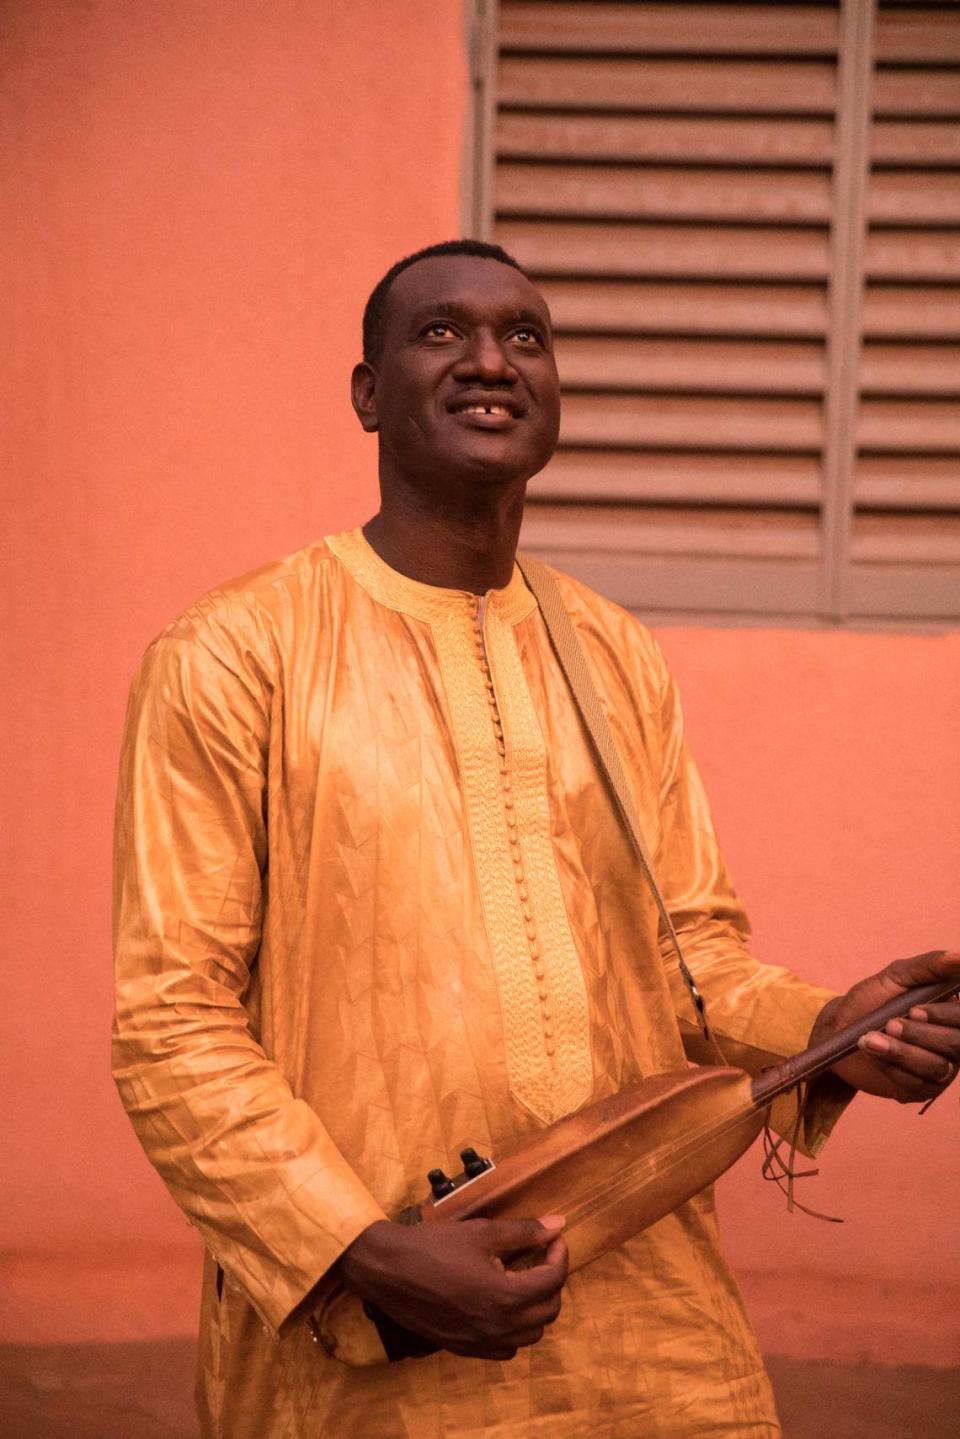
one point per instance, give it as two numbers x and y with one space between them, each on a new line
594 1198
603 1194
597 1196
697 1139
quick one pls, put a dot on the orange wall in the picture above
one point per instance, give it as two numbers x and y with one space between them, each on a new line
832 764
204 195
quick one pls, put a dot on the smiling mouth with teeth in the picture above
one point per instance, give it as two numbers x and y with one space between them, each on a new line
485 410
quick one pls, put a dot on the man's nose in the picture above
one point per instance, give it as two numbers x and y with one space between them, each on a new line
484 358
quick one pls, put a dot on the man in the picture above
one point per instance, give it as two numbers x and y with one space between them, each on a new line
373 905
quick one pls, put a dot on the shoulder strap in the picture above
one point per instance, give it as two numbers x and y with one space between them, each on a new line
570 654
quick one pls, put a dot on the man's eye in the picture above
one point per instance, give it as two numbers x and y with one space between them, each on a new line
439 330
526 336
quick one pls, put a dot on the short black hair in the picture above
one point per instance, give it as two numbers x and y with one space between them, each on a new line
376 305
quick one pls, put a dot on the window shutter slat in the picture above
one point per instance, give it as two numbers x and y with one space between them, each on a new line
909 255
910 369
919 35
693 422
914 143
911 425
801 197
737 141
908 482
727 86
622 307
924 93
670 476
693 251
649 28
691 366
916 311
919 197
789 534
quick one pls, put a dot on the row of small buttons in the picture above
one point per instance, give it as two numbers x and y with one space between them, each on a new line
513 836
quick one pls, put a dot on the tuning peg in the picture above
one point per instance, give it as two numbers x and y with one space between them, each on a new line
472 1163
440 1184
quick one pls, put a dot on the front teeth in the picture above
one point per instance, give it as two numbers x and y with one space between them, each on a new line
486 410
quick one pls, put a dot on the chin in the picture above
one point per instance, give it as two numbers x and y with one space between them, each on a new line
488 467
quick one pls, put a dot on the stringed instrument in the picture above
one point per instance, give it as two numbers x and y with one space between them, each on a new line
612 1169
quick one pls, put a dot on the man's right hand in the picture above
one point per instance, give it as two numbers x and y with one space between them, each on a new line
449 1282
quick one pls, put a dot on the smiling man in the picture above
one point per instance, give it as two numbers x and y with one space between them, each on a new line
373 904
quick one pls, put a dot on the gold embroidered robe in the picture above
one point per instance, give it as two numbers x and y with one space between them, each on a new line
372 905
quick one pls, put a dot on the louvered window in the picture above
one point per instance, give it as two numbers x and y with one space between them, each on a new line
746 220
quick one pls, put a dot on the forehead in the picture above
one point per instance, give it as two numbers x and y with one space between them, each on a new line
484 287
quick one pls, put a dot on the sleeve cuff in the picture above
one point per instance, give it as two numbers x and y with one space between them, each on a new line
306 1237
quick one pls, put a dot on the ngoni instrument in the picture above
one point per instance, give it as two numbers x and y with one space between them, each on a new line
612 1169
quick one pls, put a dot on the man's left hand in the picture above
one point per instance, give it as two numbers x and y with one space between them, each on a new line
911 1059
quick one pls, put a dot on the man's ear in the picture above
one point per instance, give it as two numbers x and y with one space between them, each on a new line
363 393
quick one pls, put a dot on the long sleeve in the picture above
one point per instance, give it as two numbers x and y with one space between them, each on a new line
251 1165
760 1013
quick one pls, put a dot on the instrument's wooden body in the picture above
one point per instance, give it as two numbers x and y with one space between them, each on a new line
616 1167
621 1164
612 1169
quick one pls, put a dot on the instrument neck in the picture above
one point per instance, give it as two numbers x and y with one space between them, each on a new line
811 1062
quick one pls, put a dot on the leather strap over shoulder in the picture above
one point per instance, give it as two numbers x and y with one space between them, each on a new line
569 652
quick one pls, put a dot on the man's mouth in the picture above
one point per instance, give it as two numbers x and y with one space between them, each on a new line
489 411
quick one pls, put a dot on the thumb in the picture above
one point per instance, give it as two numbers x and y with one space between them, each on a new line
510 1236
925 968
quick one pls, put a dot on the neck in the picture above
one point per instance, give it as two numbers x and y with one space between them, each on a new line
471 548
831 1050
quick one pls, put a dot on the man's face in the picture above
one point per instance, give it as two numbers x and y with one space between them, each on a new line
465 387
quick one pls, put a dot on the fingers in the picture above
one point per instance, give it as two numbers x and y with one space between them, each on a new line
926 1043
918 1070
542 1315
935 1039
540 1281
479 1351
934 1031
498 1351
520 1303
526 1327
907 1088
534 1292
558 1255
531 1324
947 1014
